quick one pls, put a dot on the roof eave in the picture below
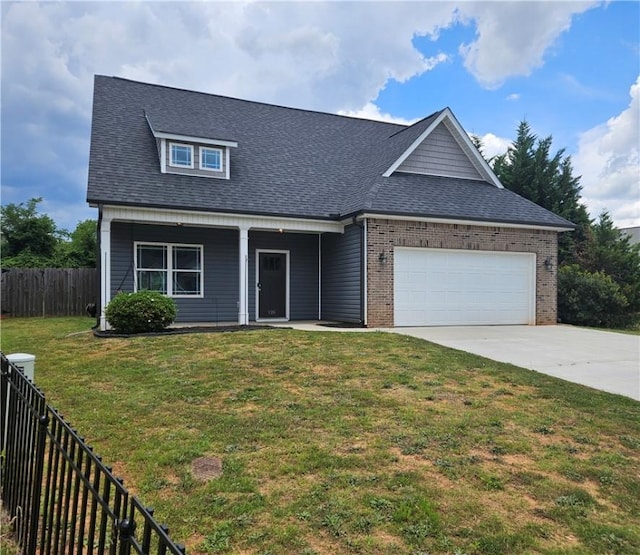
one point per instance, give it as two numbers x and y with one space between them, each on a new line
189 138
482 222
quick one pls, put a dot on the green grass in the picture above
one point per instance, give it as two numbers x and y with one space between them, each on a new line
341 443
629 331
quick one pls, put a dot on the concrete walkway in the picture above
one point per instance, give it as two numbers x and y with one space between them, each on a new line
603 360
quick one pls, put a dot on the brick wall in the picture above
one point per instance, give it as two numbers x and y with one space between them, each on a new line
384 235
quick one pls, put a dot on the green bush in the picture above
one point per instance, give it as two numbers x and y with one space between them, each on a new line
139 312
590 299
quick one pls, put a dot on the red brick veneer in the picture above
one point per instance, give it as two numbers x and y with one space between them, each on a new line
383 235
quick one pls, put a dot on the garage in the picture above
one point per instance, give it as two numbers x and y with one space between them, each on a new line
442 287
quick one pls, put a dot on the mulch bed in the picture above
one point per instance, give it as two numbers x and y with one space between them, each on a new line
342 325
178 331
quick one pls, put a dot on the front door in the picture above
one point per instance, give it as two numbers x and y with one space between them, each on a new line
272 285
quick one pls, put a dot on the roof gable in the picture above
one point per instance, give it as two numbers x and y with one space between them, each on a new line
444 149
440 154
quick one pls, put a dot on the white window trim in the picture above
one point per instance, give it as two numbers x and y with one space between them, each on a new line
163 156
169 270
204 168
171 162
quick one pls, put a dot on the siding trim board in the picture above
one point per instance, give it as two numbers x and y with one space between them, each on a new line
177 217
476 223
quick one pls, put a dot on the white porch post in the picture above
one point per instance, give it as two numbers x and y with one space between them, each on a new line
105 269
243 304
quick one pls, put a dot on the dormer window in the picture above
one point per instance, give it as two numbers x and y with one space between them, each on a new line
210 159
181 155
193 156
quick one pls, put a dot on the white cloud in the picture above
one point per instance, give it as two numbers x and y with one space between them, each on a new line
609 163
320 55
513 96
325 56
492 145
513 37
371 111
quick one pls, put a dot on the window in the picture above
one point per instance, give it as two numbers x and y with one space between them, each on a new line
181 156
210 159
172 269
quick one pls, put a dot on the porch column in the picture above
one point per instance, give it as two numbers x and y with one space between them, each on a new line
243 304
105 269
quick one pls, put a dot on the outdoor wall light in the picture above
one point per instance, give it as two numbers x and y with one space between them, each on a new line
548 264
382 258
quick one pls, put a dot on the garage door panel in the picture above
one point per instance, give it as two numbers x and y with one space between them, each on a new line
455 287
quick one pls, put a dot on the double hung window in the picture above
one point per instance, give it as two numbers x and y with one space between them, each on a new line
172 269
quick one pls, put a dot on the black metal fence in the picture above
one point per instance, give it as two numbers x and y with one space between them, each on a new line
59 494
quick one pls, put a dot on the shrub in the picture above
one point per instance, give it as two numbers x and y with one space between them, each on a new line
139 312
590 299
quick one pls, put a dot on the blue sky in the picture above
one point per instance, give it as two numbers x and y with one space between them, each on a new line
571 69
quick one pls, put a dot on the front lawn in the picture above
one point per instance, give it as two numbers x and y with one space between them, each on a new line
346 442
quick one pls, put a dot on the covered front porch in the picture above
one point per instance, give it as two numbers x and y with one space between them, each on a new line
224 268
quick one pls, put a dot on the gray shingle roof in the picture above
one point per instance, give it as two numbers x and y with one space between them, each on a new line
288 162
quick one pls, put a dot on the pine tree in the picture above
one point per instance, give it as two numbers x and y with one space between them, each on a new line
529 169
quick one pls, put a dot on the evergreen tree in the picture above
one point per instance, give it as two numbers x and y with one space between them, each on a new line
610 251
599 274
529 169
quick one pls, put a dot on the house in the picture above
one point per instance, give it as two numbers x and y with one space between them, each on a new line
633 233
243 211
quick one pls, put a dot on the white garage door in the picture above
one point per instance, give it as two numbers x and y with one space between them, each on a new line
439 287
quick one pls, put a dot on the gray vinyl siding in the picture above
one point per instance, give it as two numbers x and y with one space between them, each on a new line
303 270
342 275
440 154
221 267
196 161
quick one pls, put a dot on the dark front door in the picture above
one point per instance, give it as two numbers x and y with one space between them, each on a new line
272 285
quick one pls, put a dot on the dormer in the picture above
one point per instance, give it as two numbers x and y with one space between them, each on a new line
190 155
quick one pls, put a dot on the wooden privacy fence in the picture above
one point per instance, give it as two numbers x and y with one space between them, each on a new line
49 291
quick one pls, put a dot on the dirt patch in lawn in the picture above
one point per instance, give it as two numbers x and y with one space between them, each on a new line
206 468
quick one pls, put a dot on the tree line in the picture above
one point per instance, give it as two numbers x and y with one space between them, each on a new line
598 266
32 240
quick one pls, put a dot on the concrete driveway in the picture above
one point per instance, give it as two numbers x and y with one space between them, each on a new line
603 360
